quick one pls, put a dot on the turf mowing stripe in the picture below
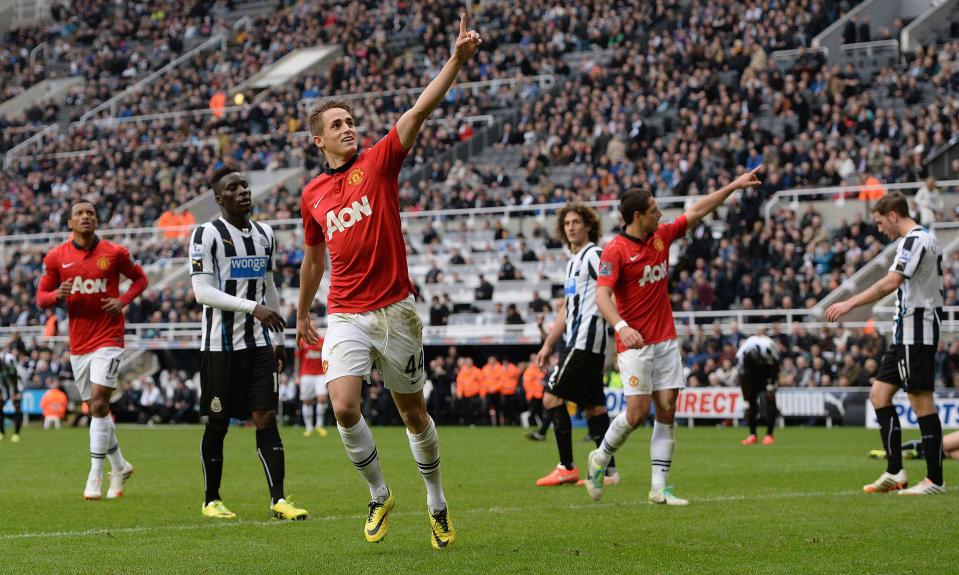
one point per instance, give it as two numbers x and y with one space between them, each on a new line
226 524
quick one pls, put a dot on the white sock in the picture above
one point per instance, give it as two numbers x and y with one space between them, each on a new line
100 435
426 453
308 416
114 454
615 437
320 413
361 449
661 452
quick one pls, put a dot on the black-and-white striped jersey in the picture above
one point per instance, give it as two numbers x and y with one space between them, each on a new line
10 379
919 299
239 261
585 326
762 348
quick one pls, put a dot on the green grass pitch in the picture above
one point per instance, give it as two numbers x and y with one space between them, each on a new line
789 508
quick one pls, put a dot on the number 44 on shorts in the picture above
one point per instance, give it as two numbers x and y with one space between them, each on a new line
412 367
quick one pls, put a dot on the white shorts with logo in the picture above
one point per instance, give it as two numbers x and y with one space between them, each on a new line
654 367
312 386
100 366
389 338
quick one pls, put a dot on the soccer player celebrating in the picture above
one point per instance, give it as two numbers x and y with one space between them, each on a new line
758 360
916 277
579 375
352 210
312 386
634 267
231 263
10 389
84 273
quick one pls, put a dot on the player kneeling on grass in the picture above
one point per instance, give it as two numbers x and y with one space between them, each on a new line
909 363
84 274
231 268
915 449
634 267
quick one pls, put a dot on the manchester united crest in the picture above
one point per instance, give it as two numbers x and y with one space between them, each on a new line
355 177
103 263
658 244
633 381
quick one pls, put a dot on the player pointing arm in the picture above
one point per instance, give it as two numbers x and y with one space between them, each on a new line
351 211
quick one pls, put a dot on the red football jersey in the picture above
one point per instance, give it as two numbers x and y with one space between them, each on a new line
637 271
355 209
96 275
311 358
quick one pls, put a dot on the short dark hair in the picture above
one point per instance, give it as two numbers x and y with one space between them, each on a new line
316 115
892 202
589 216
222 173
634 200
76 203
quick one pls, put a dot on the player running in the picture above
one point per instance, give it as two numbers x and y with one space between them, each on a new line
11 389
758 361
312 387
579 375
634 266
84 273
909 363
231 269
352 210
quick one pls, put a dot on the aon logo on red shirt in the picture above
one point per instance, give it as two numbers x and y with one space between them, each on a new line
83 286
345 218
652 274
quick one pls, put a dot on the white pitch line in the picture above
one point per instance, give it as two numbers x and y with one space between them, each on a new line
223 524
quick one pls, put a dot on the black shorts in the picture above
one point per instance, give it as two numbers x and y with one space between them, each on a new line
9 392
579 378
234 383
911 367
759 378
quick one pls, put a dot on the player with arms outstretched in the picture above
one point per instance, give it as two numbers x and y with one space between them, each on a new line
635 267
352 210
84 274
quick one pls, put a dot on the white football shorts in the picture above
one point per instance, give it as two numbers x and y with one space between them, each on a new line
312 386
100 366
654 367
389 338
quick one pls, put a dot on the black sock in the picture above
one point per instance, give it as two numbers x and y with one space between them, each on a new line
563 431
771 414
547 421
269 447
2 420
211 457
931 429
17 422
915 445
598 425
752 419
891 437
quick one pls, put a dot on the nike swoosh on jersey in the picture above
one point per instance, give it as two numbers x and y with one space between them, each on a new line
633 258
316 204
65 266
